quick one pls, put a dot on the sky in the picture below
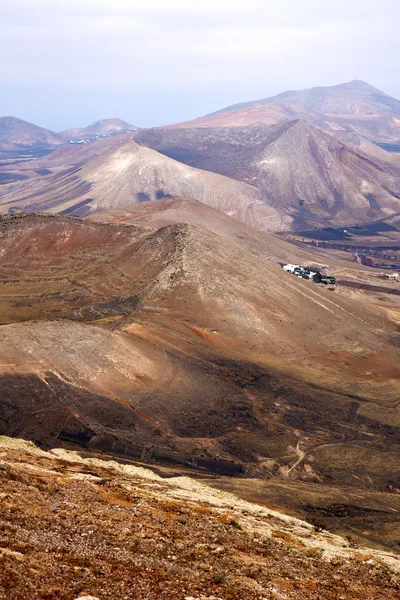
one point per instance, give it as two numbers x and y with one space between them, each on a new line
67 63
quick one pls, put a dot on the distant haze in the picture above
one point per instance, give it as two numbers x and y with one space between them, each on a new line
66 63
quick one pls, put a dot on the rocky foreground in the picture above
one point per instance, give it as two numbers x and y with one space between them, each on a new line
73 527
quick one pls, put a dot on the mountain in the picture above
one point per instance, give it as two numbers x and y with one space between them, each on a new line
129 173
300 170
353 98
355 106
187 343
16 132
104 127
287 176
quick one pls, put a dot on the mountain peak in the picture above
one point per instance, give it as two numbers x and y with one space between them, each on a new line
360 86
17 131
102 127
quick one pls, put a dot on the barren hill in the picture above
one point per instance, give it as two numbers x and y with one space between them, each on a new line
104 127
301 170
129 173
355 106
179 338
16 132
192 341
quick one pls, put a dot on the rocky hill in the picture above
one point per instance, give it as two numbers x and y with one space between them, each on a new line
192 344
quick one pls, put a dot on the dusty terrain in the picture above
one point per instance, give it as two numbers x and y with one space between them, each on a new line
75 527
18 133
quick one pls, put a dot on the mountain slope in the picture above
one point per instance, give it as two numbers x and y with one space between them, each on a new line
104 127
354 106
301 170
16 132
169 536
194 342
130 173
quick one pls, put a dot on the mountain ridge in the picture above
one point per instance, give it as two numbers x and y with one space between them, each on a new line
354 106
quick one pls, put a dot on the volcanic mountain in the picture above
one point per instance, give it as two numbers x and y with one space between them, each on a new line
104 127
355 106
16 132
300 170
187 342
127 173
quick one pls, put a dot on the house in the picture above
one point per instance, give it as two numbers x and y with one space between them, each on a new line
291 268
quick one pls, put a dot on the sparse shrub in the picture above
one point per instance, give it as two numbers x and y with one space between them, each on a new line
218 578
253 571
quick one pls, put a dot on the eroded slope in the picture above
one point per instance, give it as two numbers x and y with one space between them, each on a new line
190 345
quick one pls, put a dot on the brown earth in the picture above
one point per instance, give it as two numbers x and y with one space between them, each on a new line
71 527
189 343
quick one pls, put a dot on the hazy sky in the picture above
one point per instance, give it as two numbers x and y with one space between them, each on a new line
66 63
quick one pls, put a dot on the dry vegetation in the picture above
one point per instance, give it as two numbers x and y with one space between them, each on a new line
72 527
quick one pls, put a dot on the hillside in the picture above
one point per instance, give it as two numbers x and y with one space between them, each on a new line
178 338
300 170
145 325
84 526
355 106
104 127
59 159
128 173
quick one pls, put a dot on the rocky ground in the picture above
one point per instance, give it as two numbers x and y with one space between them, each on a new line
73 527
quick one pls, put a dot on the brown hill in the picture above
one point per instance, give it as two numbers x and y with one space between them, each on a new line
355 106
299 169
16 132
129 173
104 127
192 343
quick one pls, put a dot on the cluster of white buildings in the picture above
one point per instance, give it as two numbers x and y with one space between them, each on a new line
309 273
302 272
